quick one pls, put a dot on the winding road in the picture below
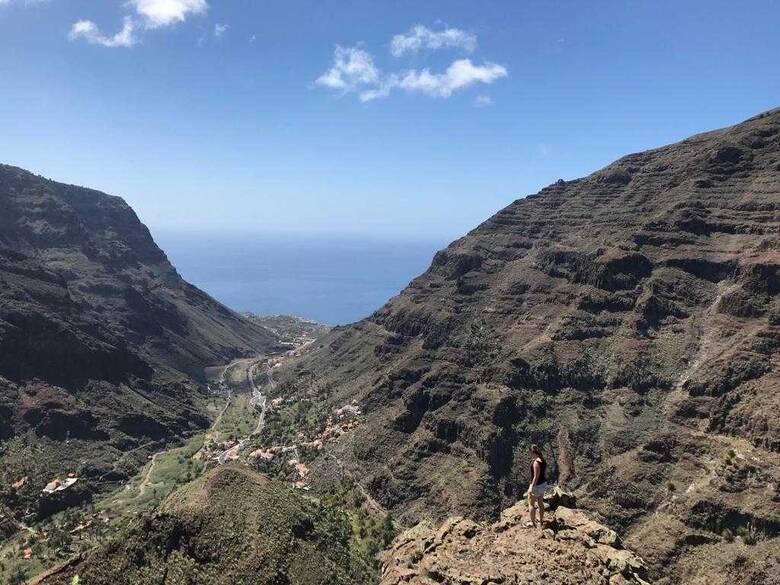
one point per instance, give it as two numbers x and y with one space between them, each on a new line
258 400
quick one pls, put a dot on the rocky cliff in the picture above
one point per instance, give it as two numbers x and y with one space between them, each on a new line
573 549
628 321
102 343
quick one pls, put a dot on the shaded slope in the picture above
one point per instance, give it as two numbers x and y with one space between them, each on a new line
230 526
102 343
629 321
84 256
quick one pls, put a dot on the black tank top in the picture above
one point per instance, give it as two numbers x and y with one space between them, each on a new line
542 470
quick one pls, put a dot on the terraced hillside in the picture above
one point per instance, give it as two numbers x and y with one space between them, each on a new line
629 321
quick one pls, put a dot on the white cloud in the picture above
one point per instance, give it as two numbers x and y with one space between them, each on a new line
460 74
483 101
352 69
381 89
421 37
152 14
159 13
22 2
220 30
88 31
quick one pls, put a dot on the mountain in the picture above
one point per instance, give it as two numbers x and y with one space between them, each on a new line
102 343
628 321
229 526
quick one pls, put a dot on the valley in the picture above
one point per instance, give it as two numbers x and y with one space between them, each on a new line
628 322
238 402
69 534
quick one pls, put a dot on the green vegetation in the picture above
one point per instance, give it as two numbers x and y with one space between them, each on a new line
304 416
234 525
55 540
18 576
371 533
748 534
160 477
239 419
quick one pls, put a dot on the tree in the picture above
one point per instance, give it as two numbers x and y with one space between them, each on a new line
388 531
18 576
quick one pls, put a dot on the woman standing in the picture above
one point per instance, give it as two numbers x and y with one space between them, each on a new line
538 485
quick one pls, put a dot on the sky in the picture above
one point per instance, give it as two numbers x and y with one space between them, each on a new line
394 119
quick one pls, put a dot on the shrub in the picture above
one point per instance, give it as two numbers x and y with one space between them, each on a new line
748 534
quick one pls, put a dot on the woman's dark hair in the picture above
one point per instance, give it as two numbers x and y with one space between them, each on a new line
537 451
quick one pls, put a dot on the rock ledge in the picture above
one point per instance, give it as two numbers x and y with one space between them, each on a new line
574 549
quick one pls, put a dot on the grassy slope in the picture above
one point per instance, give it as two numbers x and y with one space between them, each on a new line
231 526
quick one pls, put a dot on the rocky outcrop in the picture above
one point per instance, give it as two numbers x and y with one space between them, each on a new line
572 550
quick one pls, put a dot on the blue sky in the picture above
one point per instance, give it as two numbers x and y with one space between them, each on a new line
242 115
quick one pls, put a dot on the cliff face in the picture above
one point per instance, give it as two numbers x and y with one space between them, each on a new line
83 257
101 341
628 321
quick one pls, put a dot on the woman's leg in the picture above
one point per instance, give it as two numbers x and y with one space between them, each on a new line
531 509
540 503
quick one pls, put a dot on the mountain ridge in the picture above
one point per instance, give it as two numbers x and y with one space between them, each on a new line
626 320
102 343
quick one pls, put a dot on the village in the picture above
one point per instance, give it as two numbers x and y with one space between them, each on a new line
244 399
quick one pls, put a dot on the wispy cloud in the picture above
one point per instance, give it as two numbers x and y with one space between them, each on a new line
459 75
421 37
354 70
220 30
89 31
483 101
22 2
159 13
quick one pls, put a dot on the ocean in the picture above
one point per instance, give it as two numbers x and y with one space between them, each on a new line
333 280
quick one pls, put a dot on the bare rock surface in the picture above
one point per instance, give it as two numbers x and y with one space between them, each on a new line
574 549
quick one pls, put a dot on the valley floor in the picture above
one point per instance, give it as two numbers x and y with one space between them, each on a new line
236 416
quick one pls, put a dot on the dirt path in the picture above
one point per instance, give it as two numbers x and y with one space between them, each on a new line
373 505
147 481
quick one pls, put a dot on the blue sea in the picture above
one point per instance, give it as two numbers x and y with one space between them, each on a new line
329 279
